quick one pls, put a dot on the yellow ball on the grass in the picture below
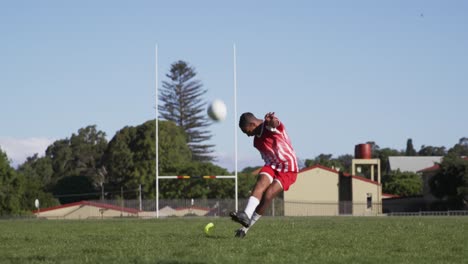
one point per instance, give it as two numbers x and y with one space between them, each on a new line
209 228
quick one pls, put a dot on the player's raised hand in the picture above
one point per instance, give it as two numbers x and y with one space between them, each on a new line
271 119
269 116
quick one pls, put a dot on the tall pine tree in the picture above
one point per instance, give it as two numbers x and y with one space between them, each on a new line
182 103
410 151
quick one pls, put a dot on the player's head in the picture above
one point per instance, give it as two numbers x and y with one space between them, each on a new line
248 123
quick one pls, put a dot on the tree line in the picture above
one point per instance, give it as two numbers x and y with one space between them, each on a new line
86 166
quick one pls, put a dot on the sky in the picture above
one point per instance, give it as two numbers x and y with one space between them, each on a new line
336 73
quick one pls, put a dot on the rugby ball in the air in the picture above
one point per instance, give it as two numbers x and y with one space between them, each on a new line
217 110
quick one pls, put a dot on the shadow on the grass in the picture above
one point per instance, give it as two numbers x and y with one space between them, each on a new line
216 237
178 262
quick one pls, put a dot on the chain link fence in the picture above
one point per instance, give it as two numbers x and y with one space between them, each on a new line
431 213
104 209
188 207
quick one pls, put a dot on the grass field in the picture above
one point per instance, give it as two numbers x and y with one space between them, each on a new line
271 240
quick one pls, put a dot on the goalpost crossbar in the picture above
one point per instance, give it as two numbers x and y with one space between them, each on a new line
198 177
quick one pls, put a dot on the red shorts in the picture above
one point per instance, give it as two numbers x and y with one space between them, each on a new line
284 178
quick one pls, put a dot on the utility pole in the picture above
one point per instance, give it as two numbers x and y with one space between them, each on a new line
102 191
140 198
121 200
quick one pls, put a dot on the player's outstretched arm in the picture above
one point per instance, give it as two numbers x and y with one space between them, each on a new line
271 120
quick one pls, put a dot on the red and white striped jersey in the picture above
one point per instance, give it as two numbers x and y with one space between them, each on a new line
276 148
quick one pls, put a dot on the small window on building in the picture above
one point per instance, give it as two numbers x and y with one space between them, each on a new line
369 200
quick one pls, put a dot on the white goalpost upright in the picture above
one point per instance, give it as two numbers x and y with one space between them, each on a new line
157 132
158 177
235 121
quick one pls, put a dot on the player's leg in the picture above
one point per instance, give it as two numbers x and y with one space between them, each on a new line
262 184
281 183
271 192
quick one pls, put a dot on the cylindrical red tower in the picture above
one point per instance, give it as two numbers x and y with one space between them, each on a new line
363 151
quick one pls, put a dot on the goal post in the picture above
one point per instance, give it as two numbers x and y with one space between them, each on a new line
163 177
199 177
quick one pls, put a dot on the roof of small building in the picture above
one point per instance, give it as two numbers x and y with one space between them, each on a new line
436 166
431 168
412 163
337 172
319 167
389 196
99 205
